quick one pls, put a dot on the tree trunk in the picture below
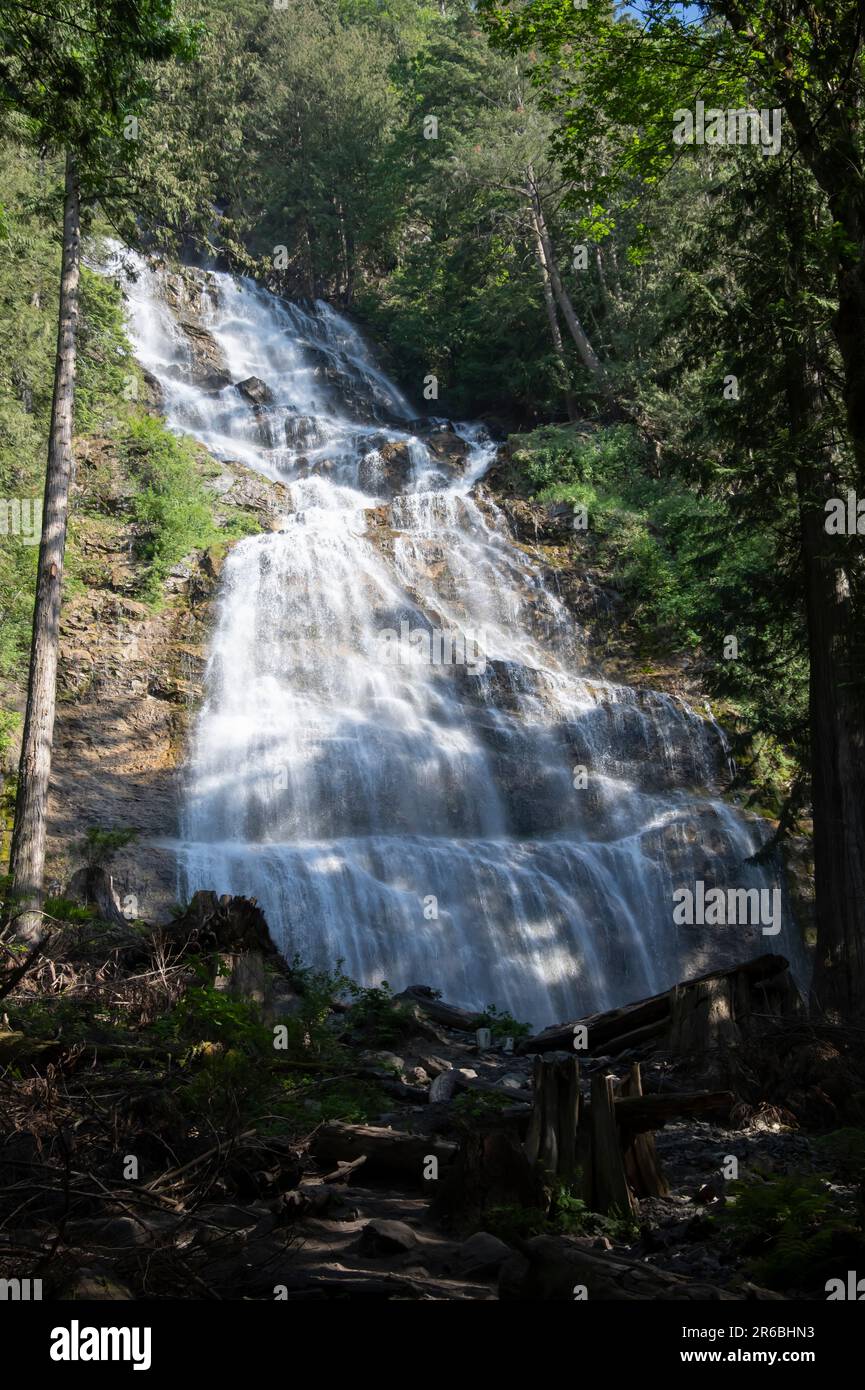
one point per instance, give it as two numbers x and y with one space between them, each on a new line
837 777
553 319
587 353
832 590
28 839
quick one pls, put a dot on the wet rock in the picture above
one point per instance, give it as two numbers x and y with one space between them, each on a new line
256 391
303 432
447 447
205 362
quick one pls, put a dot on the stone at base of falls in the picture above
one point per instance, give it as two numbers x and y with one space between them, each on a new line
551 1267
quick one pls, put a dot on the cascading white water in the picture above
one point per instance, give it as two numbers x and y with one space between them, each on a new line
422 822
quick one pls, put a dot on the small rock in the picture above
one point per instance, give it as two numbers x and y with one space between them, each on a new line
384 1061
386 1238
511 1082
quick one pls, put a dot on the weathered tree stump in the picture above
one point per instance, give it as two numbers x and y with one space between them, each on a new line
610 1190
642 1165
551 1142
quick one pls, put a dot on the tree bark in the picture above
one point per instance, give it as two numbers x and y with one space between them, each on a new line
587 353
837 723
28 840
833 606
553 318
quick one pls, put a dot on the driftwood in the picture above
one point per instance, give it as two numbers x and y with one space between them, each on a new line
449 1015
386 1151
553 1267
724 1003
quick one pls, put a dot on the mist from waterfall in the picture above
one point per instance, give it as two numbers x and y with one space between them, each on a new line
425 823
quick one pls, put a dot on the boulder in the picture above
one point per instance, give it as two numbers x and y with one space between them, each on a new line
206 362
386 1238
256 391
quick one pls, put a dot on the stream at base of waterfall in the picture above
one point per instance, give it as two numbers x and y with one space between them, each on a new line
402 753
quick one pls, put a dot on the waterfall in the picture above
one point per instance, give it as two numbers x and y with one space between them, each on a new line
424 820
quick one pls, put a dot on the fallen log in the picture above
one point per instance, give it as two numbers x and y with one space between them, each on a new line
626 1026
387 1151
554 1267
449 1015
636 1113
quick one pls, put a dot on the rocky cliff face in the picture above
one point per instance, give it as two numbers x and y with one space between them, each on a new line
131 675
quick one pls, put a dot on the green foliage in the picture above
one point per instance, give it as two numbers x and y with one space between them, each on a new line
170 504
375 1017
106 364
207 1014
691 566
75 71
844 1152
791 1229
98 845
503 1024
67 910
471 1105
302 1102
567 1215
